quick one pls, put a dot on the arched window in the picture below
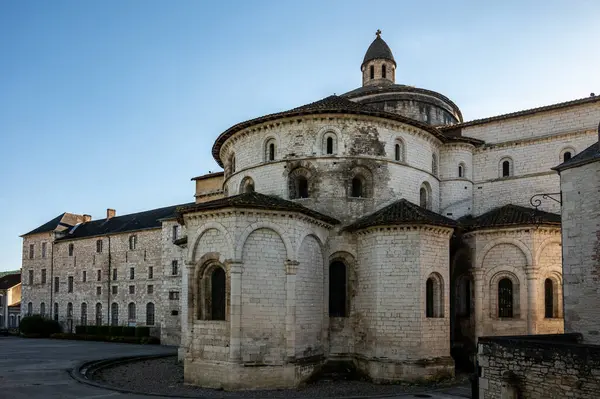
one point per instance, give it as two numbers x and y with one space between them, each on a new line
55 311
434 304
84 314
131 313
98 314
69 310
337 289
329 143
566 154
299 183
357 188
397 152
461 170
150 314
506 167
549 299
71 249
434 165
43 309
383 71
217 294
114 314
425 196
232 163
505 298
247 185
372 71
270 150
29 309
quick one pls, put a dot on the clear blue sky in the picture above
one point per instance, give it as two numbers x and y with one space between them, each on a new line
117 103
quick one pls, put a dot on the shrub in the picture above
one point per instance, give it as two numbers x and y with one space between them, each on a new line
142 331
80 330
103 330
37 325
129 331
116 331
91 330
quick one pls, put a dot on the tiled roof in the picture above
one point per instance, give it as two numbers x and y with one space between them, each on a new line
379 50
256 201
51 225
10 280
329 105
530 111
402 212
508 216
590 154
121 224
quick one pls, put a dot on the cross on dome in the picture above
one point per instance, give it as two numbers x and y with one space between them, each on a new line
378 33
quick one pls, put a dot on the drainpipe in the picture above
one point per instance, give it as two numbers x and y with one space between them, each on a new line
109 276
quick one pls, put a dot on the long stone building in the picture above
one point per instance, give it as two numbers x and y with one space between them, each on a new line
376 227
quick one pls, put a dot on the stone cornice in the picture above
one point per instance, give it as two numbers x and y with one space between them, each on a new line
242 212
445 231
534 140
506 231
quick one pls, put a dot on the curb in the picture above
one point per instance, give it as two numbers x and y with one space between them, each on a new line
82 370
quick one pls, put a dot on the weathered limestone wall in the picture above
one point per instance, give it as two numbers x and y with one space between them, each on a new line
39 291
581 237
531 173
538 367
564 120
526 256
456 192
364 145
399 260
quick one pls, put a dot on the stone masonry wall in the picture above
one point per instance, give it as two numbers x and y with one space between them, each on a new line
581 250
538 367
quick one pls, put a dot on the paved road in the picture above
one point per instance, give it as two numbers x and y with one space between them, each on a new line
38 369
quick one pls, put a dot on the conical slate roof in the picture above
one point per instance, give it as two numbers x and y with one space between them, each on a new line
402 212
378 50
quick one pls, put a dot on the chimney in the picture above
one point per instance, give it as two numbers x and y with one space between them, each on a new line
110 213
87 218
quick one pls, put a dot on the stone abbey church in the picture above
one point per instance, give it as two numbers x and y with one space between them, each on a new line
375 227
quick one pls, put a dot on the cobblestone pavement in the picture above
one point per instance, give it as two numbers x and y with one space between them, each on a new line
38 369
165 375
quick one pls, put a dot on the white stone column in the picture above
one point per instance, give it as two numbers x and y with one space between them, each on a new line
478 308
235 310
291 268
532 300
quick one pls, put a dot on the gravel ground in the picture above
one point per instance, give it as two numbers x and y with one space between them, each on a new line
165 376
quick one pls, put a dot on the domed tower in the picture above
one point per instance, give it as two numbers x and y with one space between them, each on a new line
379 66
379 90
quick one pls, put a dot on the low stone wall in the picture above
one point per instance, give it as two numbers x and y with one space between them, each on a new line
538 366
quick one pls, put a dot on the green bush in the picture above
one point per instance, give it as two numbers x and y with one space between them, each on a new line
37 325
91 330
129 331
103 330
80 330
142 332
116 331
